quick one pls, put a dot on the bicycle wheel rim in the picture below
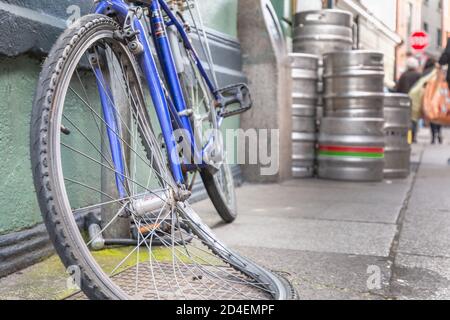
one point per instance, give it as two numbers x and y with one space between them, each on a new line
225 182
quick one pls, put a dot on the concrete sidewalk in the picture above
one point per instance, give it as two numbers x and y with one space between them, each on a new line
329 238
324 234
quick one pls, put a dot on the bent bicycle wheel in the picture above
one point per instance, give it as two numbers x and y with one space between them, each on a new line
219 185
141 245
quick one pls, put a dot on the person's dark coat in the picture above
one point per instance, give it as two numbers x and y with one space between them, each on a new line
407 81
445 59
429 67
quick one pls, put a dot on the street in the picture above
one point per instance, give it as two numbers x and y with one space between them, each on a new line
332 240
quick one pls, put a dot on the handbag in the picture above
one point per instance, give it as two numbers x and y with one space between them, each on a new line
416 95
436 100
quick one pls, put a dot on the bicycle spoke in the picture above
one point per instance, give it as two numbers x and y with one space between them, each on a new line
117 215
117 135
89 187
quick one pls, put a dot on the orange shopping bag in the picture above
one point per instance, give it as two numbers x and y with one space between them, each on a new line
436 100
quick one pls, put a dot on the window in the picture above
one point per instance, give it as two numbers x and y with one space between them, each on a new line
425 27
439 38
409 16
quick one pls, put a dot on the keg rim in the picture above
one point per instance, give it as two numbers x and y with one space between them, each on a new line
303 136
362 119
298 106
314 77
305 96
398 149
355 72
396 95
347 13
352 51
355 95
397 127
304 55
404 101
322 37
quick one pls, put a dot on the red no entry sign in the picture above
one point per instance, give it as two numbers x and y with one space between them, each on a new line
419 40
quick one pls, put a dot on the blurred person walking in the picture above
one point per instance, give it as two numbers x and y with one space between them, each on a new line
436 129
409 77
445 59
406 83
429 66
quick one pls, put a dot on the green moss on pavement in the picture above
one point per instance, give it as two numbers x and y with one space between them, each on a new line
48 280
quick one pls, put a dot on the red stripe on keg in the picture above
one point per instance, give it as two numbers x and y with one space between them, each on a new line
351 149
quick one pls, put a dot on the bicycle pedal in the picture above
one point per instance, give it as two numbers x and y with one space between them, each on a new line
234 100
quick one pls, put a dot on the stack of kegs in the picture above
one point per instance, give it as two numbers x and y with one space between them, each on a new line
352 140
317 33
322 31
397 114
304 100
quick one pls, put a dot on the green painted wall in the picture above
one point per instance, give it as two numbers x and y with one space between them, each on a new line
220 15
280 7
18 207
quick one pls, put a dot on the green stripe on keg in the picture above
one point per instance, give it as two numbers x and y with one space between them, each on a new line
355 152
352 154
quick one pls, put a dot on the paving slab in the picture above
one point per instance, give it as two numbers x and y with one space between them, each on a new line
315 199
426 233
325 276
421 277
315 215
433 180
426 228
46 280
310 235
421 267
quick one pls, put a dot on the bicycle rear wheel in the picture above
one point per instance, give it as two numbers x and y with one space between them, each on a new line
145 245
219 185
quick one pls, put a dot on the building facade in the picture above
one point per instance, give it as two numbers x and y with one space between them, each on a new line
373 30
431 16
373 33
387 25
409 19
434 18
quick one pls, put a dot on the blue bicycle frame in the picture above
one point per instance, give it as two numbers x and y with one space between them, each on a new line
168 113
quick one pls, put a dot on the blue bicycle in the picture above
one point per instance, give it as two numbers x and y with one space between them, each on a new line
125 117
